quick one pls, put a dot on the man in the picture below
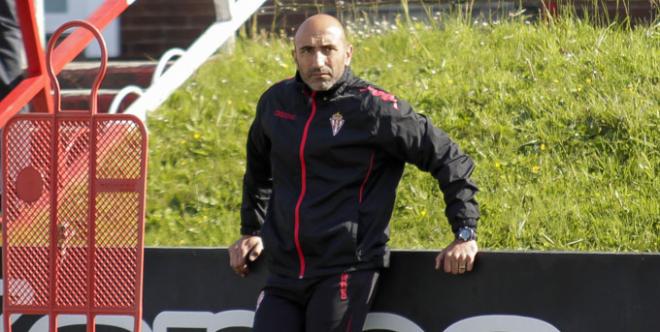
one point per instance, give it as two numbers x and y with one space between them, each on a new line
324 157
10 48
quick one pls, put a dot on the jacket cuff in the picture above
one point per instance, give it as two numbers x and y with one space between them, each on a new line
457 224
250 231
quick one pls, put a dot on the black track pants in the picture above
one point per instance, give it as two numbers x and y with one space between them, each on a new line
337 303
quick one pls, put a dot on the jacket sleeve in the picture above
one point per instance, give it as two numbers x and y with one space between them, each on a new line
411 137
257 182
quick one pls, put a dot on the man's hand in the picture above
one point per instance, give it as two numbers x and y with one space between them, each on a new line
246 249
458 257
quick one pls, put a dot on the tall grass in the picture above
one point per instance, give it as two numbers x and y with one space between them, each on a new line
562 118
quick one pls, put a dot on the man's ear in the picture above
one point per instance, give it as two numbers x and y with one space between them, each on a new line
293 55
349 54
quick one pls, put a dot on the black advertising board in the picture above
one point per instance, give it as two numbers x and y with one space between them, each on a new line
195 290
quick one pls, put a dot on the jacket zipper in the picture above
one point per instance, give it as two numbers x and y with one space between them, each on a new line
303 187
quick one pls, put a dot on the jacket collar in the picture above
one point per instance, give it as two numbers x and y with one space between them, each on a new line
337 89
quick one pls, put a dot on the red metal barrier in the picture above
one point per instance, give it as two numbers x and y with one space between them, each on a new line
36 85
74 184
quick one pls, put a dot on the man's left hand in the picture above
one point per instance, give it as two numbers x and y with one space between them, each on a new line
458 257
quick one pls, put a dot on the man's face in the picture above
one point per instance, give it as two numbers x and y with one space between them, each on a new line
321 56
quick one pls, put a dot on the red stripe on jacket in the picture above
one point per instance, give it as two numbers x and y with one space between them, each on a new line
303 188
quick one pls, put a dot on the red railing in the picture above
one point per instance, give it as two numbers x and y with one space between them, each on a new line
36 87
73 205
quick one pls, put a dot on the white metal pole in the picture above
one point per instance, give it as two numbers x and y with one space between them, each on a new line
216 35
41 20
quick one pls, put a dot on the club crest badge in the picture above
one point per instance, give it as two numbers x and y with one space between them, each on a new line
337 121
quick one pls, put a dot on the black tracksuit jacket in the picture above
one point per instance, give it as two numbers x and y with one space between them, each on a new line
322 172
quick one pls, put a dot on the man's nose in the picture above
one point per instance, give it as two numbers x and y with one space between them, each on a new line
319 59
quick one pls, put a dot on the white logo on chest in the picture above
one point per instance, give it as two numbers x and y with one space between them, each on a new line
336 121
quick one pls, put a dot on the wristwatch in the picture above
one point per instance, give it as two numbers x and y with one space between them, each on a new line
466 233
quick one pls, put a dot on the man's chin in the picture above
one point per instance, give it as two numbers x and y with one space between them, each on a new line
321 86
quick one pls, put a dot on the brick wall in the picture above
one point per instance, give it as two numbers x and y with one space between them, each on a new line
151 27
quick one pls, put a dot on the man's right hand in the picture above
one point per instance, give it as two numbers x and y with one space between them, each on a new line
246 249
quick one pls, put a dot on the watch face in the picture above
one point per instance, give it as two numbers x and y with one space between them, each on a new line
465 234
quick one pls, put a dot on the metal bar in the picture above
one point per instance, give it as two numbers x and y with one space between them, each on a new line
5 285
34 52
91 221
52 269
140 244
36 59
104 312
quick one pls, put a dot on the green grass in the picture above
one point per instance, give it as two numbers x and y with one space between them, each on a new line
562 118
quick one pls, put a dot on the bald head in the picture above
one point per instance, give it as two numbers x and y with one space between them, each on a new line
319 24
321 51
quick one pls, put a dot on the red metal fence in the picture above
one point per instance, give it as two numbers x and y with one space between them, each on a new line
74 184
